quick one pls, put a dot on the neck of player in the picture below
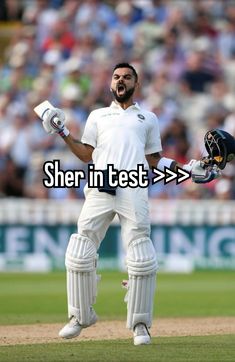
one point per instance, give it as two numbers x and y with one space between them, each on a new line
125 104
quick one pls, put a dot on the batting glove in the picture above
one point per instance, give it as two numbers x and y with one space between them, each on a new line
54 122
202 173
188 166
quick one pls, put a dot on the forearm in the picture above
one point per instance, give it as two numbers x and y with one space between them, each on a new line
200 172
81 150
155 160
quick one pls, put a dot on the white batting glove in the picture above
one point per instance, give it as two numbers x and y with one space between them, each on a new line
201 172
188 166
54 122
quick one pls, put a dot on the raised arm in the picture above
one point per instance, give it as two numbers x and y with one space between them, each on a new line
53 121
157 161
81 150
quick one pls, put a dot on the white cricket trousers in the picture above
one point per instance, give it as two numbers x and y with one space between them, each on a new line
130 204
99 209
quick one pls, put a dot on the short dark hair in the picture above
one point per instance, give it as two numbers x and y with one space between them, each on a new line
126 65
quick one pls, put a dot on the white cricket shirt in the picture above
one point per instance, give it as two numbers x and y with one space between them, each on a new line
122 137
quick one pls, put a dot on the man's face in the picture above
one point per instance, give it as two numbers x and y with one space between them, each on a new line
123 84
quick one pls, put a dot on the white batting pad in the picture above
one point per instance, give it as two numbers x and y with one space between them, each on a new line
142 267
80 261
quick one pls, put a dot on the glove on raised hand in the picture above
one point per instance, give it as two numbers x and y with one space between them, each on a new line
201 172
54 122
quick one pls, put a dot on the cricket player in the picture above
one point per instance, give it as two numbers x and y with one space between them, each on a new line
123 135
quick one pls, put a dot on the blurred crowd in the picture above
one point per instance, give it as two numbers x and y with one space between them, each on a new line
64 51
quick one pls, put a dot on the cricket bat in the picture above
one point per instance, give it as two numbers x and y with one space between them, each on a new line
42 108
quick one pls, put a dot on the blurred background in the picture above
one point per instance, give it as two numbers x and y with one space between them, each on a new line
64 51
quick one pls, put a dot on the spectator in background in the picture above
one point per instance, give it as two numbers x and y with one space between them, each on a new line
60 38
147 32
11 10
42 15
94 17
11 179
203 26
226 38
195 76
229 121
184 52
223 189
72 73
171 58
123 26
175 140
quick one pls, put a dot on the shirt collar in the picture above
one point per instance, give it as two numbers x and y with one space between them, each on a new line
133 106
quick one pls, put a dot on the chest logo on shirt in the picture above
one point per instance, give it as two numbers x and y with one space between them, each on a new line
111 114
141 117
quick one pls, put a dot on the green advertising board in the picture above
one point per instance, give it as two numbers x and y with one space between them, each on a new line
42 247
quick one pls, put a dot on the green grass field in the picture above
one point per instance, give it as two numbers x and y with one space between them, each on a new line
41 298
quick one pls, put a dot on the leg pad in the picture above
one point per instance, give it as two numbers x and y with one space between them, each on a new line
80 260
142 267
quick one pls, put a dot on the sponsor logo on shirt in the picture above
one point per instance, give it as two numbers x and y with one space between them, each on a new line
110 114
141 117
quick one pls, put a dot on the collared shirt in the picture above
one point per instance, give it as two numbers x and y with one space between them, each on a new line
122 137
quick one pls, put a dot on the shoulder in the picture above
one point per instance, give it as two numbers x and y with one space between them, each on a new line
148 116
98 113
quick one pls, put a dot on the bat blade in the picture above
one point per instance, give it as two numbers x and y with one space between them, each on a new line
41 108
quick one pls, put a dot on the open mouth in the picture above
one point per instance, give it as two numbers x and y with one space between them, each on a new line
121 89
